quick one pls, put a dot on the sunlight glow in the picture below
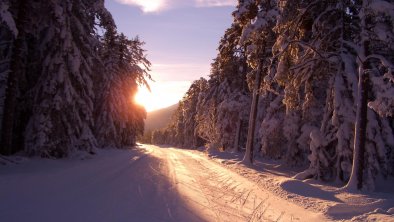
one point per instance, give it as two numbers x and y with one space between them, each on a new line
146 5
149 6
164 94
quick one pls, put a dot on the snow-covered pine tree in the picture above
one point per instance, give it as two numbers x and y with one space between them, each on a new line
207 119
182 130
16 69
301 70
374 138
334 40
190 109
6 19
105 128
330 145
178 126
55 96
62 117
257 18
118 119
8 33
271 132
211 111
221 107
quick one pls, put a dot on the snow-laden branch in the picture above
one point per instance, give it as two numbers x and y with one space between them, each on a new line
6 17
382 59
304 45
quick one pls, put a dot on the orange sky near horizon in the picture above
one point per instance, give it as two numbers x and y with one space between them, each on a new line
181 39
156 99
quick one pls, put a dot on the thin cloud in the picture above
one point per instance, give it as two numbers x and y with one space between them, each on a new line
167 72
174 65
146 5
215 3
149 6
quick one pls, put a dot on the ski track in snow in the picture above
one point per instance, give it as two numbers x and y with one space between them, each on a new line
149 183
222 195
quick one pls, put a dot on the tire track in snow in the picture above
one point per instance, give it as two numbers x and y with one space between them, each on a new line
234 198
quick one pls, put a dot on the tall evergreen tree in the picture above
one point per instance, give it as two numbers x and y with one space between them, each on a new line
8 33
52 68
117 116
258 19
65 82
375 56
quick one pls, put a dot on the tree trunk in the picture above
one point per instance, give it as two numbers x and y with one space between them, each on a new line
248 158
16 65
356 176
237 136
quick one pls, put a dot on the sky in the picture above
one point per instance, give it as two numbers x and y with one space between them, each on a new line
181 38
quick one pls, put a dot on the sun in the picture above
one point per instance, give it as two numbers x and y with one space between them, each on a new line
152 100
143 98
163 94
151 6
146 5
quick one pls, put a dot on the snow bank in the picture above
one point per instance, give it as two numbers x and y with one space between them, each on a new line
114 185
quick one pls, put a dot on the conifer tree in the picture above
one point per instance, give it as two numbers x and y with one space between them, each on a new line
257 19
65 83
118 118
376 33
16 69
8 33
50 109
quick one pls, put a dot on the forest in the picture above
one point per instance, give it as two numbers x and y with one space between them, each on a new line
67 78
307 82
295 121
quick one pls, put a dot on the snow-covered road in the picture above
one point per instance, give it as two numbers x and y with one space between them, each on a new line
218 194
145 184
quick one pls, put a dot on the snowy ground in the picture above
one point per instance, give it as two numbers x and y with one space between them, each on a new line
166 184
325 198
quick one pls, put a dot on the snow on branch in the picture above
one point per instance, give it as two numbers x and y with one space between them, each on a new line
6 17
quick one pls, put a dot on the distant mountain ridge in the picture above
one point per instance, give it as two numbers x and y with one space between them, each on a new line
160 118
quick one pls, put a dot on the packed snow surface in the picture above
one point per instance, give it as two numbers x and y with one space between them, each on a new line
151 183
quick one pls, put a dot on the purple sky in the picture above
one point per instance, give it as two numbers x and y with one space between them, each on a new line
181 40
